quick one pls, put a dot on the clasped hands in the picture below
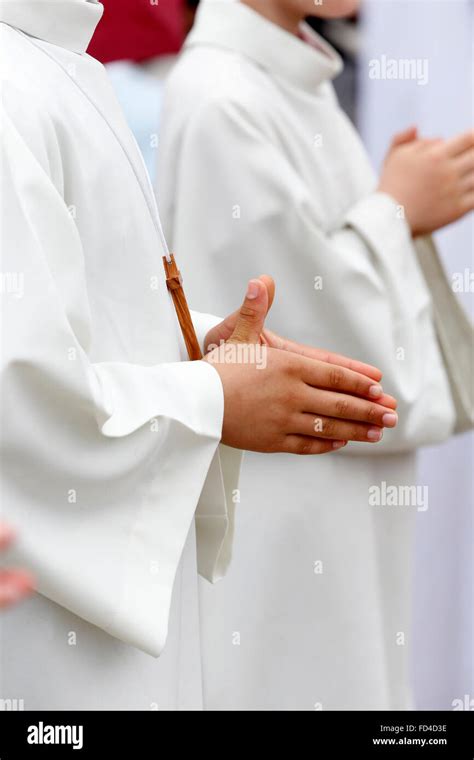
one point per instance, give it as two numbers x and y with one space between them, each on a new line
305 400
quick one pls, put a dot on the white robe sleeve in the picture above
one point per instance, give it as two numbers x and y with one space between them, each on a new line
357 289
103 464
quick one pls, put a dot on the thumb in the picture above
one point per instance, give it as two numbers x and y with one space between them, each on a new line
402 138
270 286
252 314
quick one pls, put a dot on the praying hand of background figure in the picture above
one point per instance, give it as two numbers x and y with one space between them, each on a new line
432 179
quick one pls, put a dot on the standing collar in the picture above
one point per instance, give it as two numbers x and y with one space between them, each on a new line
67 23
305 62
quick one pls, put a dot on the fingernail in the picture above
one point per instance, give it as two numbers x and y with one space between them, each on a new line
253 290
390 420
375 391
339 444
375 434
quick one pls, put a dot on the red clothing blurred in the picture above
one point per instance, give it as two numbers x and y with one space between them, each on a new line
138 29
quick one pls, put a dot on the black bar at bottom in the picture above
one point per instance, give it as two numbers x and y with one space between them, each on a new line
154 734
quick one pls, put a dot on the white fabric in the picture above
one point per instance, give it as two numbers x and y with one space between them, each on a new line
440 35
68 23
108 437
254 139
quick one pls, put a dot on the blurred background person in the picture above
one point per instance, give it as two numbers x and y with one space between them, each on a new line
253 139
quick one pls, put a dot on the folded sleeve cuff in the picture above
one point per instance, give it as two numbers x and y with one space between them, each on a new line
381 223
379 219
129 396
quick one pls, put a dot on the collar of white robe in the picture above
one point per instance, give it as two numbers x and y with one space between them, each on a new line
305 63
67 23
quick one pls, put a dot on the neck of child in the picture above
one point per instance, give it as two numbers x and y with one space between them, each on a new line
287 19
